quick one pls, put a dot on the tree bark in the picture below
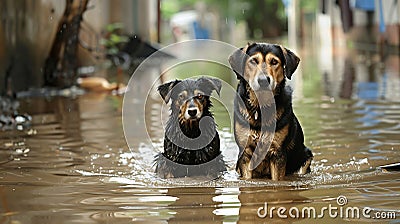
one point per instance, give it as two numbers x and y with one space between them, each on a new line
61 65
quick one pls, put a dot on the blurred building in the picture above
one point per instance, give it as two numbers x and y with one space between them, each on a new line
361 20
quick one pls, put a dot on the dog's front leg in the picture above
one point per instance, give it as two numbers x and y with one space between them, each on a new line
243 167
278 168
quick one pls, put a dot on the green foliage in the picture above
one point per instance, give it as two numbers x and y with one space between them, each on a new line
113 38
170 7
309 5
114 27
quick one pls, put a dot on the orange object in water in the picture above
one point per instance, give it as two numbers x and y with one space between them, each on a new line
98 84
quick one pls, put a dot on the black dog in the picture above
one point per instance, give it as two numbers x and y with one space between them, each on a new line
263 114
191 143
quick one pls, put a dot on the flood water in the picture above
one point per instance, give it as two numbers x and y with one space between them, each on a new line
73 165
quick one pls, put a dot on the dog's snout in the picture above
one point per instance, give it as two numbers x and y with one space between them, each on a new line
264 81
192 112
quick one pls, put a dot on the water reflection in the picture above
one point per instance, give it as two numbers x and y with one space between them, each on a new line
362 76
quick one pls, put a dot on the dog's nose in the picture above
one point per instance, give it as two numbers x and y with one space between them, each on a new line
192 112
264 81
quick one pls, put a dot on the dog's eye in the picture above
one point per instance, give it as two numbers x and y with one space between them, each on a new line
254 60
273 62
199 96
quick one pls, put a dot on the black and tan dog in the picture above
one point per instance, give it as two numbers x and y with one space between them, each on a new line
268 134
191 143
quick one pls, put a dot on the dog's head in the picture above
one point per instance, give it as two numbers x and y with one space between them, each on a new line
190 97
264 66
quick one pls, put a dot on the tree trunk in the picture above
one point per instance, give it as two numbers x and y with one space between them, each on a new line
61 65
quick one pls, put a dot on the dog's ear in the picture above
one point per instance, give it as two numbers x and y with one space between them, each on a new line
165 89
237 60
211 83
291 62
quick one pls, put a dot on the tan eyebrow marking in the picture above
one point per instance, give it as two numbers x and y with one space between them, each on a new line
198 92
270 56
183 93
257 56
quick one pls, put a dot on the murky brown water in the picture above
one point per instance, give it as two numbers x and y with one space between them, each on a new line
73 165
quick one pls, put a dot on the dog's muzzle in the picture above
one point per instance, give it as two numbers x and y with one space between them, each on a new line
264 81
192 112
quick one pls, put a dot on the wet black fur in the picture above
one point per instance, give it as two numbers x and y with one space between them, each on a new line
299 153
176 161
